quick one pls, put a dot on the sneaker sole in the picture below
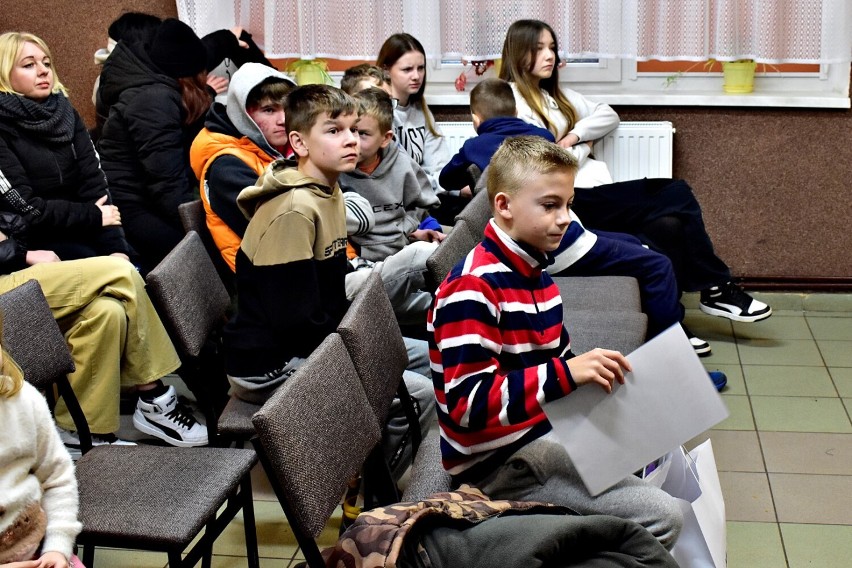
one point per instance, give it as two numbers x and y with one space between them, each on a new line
704 351
728 315
144 427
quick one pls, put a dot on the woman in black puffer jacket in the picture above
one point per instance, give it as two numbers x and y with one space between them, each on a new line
157 99
49 171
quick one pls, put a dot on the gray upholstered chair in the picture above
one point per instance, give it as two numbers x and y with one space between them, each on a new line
477 213
427 475
374 341
467 232
140 497
602 311
194 218
192 301
458 243
314 434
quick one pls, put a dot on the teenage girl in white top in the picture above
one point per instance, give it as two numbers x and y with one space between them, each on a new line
663 213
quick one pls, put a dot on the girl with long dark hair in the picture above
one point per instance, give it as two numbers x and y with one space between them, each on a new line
662 213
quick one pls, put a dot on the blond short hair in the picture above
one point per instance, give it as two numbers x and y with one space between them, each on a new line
353 76
520 156
11 44
376 103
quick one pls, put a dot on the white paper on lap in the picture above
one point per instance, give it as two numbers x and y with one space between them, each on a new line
666 400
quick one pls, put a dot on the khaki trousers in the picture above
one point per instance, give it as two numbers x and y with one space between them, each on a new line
115 335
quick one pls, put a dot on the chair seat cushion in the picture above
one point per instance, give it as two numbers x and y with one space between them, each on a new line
235 421
599 293
155 495
621 331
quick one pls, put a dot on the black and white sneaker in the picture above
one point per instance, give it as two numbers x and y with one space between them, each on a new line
730 301
167 420
72 441
701 347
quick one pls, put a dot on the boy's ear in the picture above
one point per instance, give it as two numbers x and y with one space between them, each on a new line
502 202
388 138
476 120
297 142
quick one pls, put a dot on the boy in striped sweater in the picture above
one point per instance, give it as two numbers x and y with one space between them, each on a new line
499 350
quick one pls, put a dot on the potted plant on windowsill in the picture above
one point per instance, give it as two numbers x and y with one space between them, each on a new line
310 71
739 75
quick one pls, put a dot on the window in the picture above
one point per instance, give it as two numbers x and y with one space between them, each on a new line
617 33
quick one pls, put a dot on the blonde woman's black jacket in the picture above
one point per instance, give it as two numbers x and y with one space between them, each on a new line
53 186
13 251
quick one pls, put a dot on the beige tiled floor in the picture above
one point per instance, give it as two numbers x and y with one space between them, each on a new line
784 455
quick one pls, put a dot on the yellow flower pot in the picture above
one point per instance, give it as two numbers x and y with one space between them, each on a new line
739 76
311 72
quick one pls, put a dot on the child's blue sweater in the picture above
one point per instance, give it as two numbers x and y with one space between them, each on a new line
478 150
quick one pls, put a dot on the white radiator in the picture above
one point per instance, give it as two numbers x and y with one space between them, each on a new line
631 151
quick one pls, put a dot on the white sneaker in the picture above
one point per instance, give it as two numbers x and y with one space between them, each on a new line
167 420
72 441
730 301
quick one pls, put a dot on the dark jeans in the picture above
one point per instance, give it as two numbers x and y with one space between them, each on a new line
619 254
662 213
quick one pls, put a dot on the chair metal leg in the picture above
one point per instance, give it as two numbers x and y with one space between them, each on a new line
89 555
412 417
207 559
252 556
175 560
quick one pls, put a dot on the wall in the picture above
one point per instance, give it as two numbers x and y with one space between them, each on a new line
774 183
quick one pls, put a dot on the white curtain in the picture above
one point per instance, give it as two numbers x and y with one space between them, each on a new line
769 31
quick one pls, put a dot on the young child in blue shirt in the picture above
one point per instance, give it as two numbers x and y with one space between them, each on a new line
495 118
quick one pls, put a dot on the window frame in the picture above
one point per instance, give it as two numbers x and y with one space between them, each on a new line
618 82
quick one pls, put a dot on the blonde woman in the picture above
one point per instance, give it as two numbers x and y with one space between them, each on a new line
49 169
116 338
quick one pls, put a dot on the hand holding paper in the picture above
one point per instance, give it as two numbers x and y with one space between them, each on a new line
599 366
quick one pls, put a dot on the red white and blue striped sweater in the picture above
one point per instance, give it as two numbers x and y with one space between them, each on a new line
498 349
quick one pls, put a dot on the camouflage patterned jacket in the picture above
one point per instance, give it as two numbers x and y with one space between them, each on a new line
376 538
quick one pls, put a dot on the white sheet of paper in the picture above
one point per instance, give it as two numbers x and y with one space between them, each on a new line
666 400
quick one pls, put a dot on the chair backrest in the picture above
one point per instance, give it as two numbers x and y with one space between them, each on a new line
373 339
477 213
32 337
455 247
189 294
314 434
194 218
